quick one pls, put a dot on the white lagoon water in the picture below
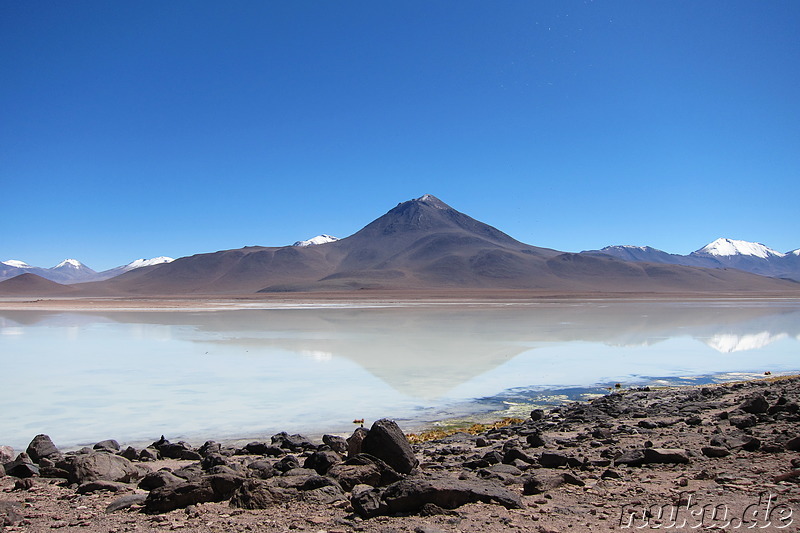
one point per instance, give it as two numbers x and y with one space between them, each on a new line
245 374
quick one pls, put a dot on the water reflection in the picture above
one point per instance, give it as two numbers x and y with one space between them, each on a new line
132 374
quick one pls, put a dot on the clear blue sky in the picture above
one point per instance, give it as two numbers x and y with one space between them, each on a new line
138 129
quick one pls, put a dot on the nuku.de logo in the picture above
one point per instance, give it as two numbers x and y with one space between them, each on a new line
767 512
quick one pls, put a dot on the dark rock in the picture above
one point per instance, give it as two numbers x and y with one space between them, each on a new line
224 485
324 495
411 494
743 421
537 414
553 459
755 404
262 448
257 494
179 450
513 454
355 441
109 444
209 447
322 461
647 424
101 485
349 476
193 472
387 442
572 479
262 469
24 484
22 467
366 501
149 454
130 453
294 443
40 447
733 442
10 513
287 463
540 482
126 502
793 445
105 466
171 497
211 460
640 456
161 478
715 451
336 443
610 474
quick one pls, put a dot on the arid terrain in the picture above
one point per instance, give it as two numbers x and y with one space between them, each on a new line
721 457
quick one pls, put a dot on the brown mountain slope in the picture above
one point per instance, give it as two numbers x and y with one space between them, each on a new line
32 285
421 244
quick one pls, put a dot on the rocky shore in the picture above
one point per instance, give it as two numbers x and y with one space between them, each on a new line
715 457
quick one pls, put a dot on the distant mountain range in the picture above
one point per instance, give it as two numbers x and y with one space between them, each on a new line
723 253
71 271
424 246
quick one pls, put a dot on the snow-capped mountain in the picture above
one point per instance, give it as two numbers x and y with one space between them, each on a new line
722 253
730 247
133 265
319 239
73 271
13 263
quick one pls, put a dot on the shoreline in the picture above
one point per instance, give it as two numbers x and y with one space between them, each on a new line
589 464
360 299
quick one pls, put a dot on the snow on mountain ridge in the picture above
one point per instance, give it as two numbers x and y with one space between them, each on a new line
14 263
314 241
728 247
71 263
139 263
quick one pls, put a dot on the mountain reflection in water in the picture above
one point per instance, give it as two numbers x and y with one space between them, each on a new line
241 373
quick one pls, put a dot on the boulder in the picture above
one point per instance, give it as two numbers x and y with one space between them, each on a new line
42 447
6 454
540 482
103 465
262 469
755 404
410 495
349 476
355 441
322 461
262 448
126 502
387 442
169 498
257 494
294 443
793 444
336 443
109 444
161 478
640 456
715 451
21 467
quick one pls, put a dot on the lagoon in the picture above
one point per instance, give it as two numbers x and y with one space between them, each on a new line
247 373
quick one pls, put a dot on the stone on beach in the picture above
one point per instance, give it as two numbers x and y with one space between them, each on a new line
42 447
386 441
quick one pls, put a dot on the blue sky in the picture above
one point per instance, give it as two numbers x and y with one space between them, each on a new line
139 129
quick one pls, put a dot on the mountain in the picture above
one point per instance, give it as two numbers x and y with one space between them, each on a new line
32 285
71 271
314 241
133 265
422 245
722 253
